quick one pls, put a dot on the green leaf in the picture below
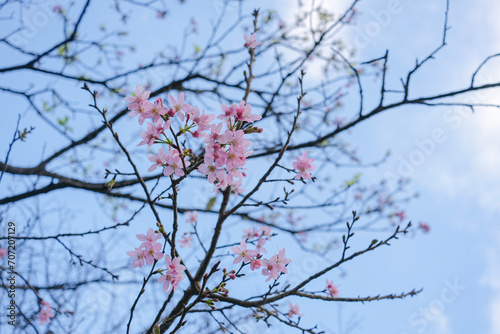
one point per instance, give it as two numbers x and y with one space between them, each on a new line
63 121
211 203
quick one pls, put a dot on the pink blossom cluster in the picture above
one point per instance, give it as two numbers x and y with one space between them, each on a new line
148 251
226 151
226 147
45 314
272 267
151 250
173 274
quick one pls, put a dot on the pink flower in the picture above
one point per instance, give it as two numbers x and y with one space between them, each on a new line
423 226
250 234
152 252
332 289
213 173
174 265
235 113
192 217
271 269
158 160
303 165
275 265
150 236
244 113
214 153
400 214
236 140
213 136
243 253
251 42
154 132
139 102
156 111
255 264
281 260
173 164
294 310
45 314
260 246
57 9
178 105
201 120
266 231
173 275
3 252
185 241
139 256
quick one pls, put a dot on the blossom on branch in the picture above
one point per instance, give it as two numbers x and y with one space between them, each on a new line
304 166
45 314
251 41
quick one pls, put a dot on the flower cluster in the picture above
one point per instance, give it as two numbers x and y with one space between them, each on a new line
226 147
151 250
272 267
226 151
45 314
148 251
173 274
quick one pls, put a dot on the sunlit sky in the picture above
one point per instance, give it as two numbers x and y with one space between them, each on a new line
458 263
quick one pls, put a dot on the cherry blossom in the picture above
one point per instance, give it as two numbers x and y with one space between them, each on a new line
201 120
185 241
138 103
250 233
271 269
173 275
154 132
173 164
281 260
293 310
255 264
303 165
260 246
45 314
150 236
251 42
178 105
152 252
192 217
158 160
243 253
332 289
139 257
156 111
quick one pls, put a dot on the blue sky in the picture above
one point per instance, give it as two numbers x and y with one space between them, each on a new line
458 262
